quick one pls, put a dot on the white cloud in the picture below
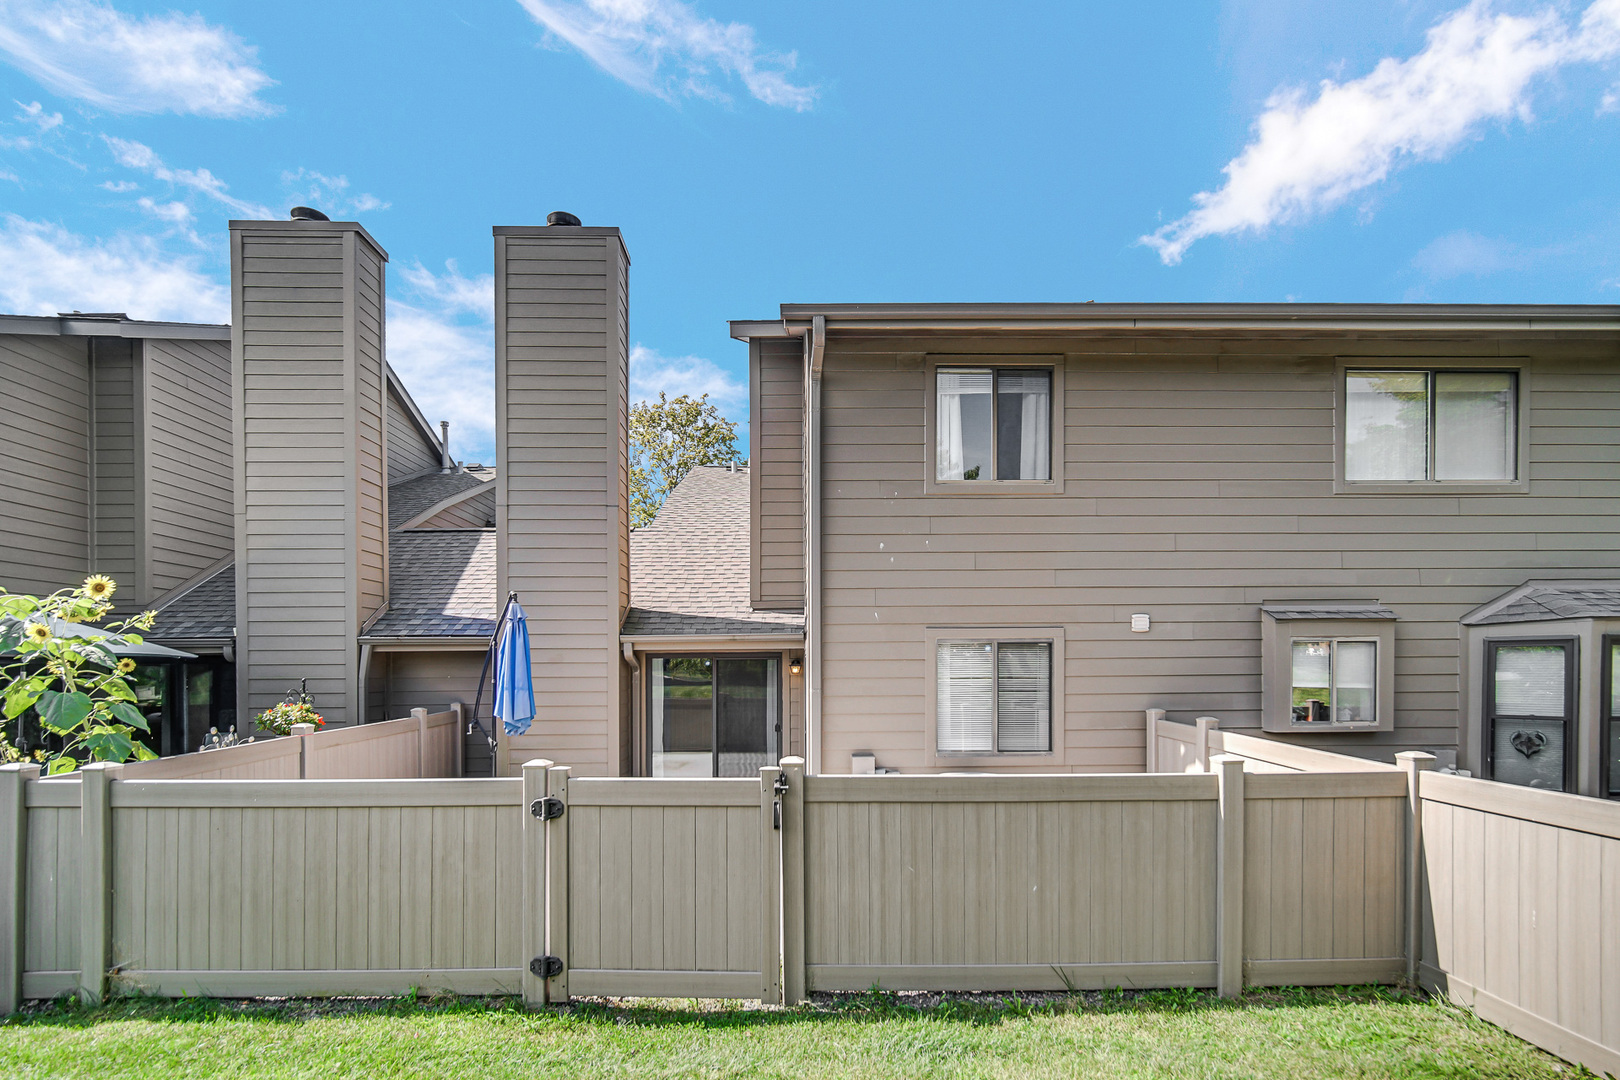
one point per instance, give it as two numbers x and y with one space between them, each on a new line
176 213
49 269
160 63
1464 253
1311 154
652 373
136 155
328 194
34 113
665 47
452 291
120 186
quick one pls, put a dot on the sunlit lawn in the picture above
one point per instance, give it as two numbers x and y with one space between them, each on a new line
1363 1032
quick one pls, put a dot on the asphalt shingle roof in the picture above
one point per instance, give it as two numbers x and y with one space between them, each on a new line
1540 603
207 612
1284 610
441 583
689 568
410 497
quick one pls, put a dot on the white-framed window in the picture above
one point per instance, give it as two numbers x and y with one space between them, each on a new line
993 696
1431 426
1334 680
992 424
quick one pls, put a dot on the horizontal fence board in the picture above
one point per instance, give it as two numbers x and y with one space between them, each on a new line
646 791
1000 977
267 759
1325 785
1599 817
334 983
1330 972
1009 789
1601 1057
43 985
498 791
610 982
40 794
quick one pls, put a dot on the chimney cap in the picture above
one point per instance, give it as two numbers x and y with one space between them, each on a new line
308 213
561 217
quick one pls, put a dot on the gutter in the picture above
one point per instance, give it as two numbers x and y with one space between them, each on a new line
655 642
816 349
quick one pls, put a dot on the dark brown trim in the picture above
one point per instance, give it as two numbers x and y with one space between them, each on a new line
783 700
1606 712
1572 659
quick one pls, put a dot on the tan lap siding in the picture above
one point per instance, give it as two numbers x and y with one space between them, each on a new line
44 462
1198 483
188 458
776 457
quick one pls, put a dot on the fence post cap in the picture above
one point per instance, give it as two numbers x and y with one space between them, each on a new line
303 729
1208 721
22 767
113 767
793 762
1422 759
1226 762
420 714
538 763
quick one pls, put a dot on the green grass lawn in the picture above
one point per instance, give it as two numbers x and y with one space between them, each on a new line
1364 1032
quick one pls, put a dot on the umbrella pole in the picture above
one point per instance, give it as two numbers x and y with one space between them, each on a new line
478 698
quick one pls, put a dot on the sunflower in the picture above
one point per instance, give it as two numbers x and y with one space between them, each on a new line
125 666
99 586
38 633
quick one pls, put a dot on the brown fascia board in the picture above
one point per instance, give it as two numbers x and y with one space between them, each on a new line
1182 318
307 227
564 231
75 326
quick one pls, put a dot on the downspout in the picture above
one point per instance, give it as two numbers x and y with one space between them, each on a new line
629 650
815 348
363 689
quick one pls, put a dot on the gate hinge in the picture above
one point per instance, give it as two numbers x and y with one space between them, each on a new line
546 967
547 808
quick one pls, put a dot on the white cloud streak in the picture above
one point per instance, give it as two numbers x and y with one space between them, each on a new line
1310 154
652 373
442 343
125 64
665 47
328 194
49 269
134 155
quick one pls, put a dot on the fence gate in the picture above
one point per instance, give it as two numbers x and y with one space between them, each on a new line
656 888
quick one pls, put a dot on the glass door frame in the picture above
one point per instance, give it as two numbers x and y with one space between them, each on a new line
1570 719
649 688
1607 716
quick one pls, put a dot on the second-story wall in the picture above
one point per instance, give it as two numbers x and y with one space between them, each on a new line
1198 482
776 430
44 462
190 506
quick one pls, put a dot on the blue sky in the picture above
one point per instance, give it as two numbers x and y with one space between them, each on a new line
756 153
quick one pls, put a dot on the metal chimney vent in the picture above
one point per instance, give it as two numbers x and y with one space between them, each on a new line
308 213
561 217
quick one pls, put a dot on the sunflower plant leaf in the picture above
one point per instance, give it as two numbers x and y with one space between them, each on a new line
118 689
65 712
107 743
63 764
19 696
125 713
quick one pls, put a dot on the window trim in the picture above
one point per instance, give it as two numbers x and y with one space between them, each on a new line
1277 637
933 636
1606 714
1052 362
1517 366
1571 718
714 656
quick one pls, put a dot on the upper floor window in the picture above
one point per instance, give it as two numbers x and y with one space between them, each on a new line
1404 426
993 424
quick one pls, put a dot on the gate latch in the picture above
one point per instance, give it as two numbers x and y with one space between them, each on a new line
547 808
546 967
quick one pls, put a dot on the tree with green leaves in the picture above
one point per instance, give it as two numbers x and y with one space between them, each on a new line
668 439
72 680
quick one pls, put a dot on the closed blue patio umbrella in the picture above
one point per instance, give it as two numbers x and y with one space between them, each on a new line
514 682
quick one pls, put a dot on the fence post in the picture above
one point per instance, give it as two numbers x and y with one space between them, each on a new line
460 749
299 732
95 878
1206 724
1151 762
420 716
793 972
533 933
557 886
1229 878
1414 763
13 881
770 854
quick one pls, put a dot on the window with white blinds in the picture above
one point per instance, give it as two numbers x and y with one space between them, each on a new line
994 697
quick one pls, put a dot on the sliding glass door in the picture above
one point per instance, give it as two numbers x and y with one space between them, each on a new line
713 715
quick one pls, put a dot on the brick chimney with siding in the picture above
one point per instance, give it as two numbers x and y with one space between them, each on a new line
561 405
310 443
